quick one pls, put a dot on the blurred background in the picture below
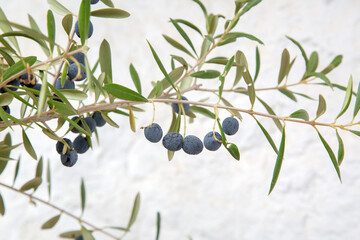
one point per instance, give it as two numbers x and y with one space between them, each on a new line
210 196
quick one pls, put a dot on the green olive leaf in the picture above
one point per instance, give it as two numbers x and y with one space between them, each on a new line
51 222
278 162
124 93
110 13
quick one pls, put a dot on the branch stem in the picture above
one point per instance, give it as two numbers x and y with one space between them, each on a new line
49 115
62 211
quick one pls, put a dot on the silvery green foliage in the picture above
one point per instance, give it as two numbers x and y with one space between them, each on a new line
43 94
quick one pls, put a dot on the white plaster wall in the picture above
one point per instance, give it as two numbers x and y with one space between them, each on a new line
209 196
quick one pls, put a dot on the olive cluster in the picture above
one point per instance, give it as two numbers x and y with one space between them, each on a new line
76 72
76 68
69 153
67 149
72 73
29 80
174 141
25 80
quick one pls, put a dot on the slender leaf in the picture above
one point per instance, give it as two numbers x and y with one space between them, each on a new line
67 23
340 156
6 27
39 168
285 62
43 96
105 60
33 183
300 48
234 151
158 225
357 133
219 60
48 179
279 161
110 121
14 94
322 77
268 137
125 93
271 111
28 147
5 116
75 125
132 120
211 23
177 45
288 93
7 57
241 62
134 211
19 66
58 7
321 107
250 86
175 123
357 102
161 66
35 27
51 222
334 63
170 155
301 113
183 34
331 155
257 68
250 5
201 6
135 78
108 3
206 74
4 149
180 60
203 111
228 65
29 33
33 24
313 62
347 99
290 66
5 159
74 94
242 35
6 141
205 46
84 20
51 28
16 170
189 24
83 195
186 83
2 206
110 13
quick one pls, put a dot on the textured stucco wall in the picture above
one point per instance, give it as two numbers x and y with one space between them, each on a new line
210 196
